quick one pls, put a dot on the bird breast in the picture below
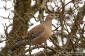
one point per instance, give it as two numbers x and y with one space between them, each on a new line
48 31
44 36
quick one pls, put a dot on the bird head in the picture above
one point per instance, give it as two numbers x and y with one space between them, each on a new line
51 16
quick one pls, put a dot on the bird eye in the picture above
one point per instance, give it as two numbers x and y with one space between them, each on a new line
51 15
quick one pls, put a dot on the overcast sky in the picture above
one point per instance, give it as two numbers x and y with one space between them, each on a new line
6 13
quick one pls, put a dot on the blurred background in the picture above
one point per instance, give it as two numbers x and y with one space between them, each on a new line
68 28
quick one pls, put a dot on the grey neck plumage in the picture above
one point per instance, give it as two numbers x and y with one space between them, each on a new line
46 19
49 22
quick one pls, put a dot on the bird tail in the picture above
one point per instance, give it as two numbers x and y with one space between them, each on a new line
18 44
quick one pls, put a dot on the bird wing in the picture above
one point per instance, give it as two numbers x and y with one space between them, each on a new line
35 32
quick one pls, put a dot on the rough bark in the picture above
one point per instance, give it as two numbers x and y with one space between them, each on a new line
22 13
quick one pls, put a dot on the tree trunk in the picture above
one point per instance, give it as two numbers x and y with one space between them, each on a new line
22 14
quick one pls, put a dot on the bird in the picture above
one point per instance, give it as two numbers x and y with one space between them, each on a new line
39 34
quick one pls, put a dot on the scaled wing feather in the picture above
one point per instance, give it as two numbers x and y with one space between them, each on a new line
35 32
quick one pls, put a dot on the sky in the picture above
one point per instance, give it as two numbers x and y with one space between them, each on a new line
6 13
